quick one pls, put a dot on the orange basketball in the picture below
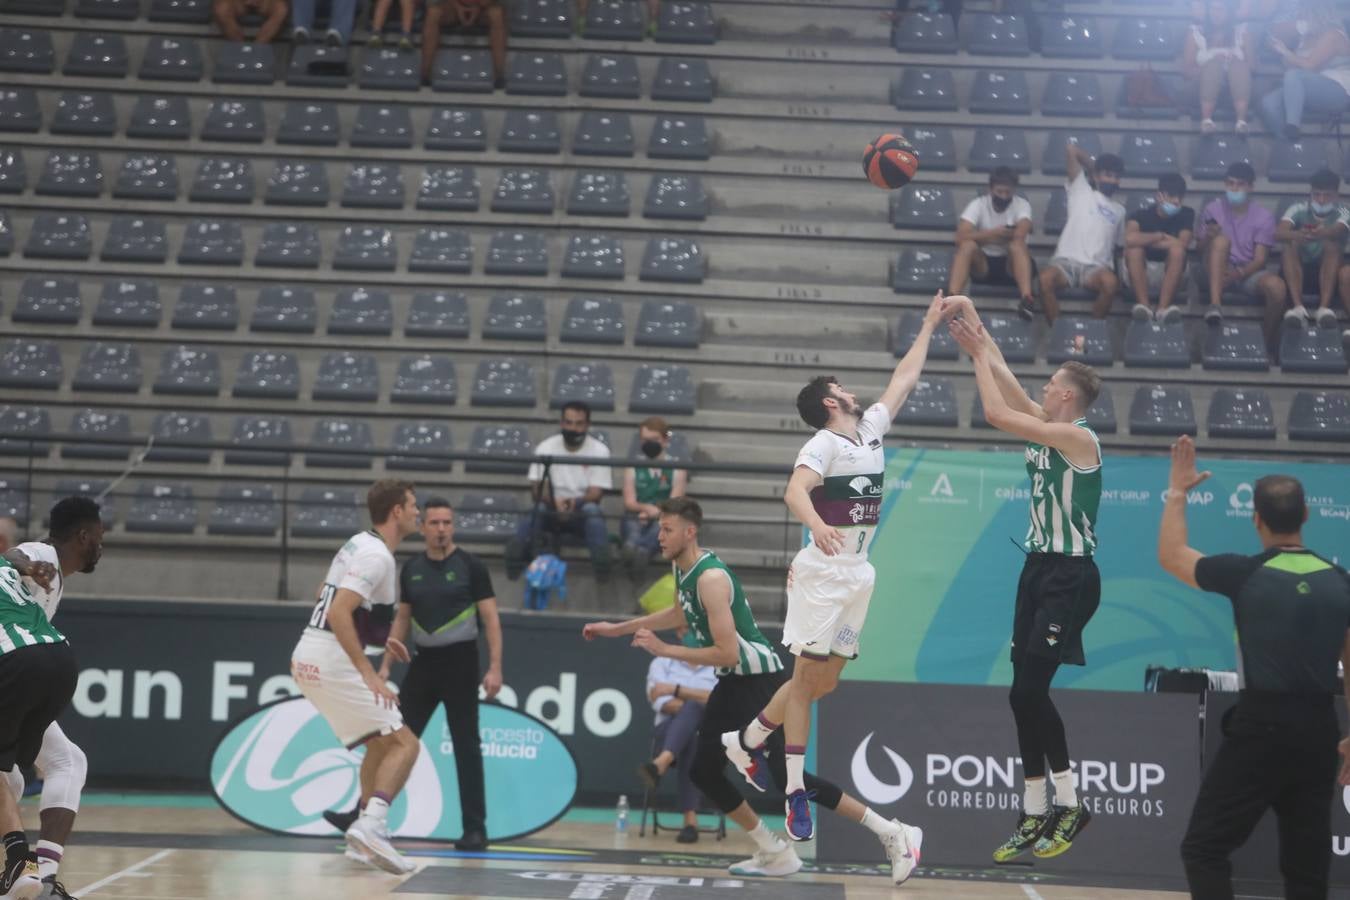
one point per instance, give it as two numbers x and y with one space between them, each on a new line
890 161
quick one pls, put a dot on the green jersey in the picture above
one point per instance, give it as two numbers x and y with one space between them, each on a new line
757 654
22 621
653 485
1064 500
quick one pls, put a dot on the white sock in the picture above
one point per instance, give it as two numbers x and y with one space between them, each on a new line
1034 802
765 839
1065 795
756 733
796 770
49 857
876 823
378 809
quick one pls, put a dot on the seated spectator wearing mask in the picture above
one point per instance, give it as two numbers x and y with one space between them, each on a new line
1235 241
1317 72
644 489
1314 232
991 241
1085 254
1156 241
1218 51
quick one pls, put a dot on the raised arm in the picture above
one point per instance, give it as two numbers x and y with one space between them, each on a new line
1077 162
910 367
1008 386
1176 557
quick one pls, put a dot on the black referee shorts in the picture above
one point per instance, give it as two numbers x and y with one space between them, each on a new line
36 684
1057 596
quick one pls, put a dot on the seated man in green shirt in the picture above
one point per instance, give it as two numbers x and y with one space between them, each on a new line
646 487
1314 232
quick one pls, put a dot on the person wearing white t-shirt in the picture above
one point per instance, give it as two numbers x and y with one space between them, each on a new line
1085 254
567 494
991 240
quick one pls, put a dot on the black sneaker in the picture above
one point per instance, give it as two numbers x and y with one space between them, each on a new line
1214 317
472 842
649 775
1029 830
341 820
21 878
1069 823
1026 309
688 835
53 888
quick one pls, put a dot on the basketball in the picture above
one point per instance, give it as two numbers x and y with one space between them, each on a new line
890 161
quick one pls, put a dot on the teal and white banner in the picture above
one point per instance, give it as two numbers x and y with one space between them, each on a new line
281 766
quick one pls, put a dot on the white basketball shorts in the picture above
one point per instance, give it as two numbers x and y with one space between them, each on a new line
328 679
827 604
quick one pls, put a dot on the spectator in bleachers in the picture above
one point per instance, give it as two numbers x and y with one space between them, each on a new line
653 14
1236 235
1317 73
9 533
341 18
381 13
465 14
229 13
567 496
991 240
1218 51
1156 241
1314 232
1085 254
644 489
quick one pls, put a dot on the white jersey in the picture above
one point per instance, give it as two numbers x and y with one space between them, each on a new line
849 498
48 598
365 566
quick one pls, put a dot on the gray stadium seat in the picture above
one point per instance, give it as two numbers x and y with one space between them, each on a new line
1147 38
374 186
613 20
30 363
921 270
223 179
438 314
49 300
242 121
487 518
1240 413
188 370
590 255
313 123
1156 345
173 430
298 182
1071 37
59 236
26 50
292 245
244 63
135 239
13 173
1000 92
274 374
108 366
285 308
536 74
450 188
340 443
327 513
172 59
603 134
592 383
1054 158
1101 415
931 403
599 193
517 253
1073 94
1319 416
516 318
686 23
611 76
24 431
164 119
361 311
425 379
935 146
128 303
1297 161
679 137
438 249
504 382
927 89
390 69
19 110
675 196
662 390
195 12
1312 350
207 306
523 191
101 428
14 498
990 34
673 323
1056 212
79 112
6 234
1149 155
315 65
1013 335
541 18
260 441
34 7
366 247
922 206
416 445
996 146
593 320
673 259
96 55
108 9
249 510
456 129
1236 345
1212 154
942 346
383 125
462 71
71 173
1064 335
919 32
683 80
1163 410
147 176
162 507
500 440
212 242
530 131
350 377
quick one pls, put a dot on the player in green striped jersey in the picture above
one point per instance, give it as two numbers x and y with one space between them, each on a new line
1060 587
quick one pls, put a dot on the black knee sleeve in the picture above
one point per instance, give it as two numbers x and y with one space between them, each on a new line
709 775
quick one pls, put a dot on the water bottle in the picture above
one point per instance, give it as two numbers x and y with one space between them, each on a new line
621 815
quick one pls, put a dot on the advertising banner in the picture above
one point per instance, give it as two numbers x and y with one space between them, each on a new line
944 757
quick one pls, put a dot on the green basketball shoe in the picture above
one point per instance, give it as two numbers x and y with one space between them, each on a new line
1069 822
1029 830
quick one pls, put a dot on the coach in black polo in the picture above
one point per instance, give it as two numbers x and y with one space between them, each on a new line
1292 611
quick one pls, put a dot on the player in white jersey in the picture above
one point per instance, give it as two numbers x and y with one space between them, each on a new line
353 610
74 544
835 491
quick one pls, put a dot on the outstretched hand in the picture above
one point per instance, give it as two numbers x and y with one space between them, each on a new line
1184 477
937 311
592 630
969 336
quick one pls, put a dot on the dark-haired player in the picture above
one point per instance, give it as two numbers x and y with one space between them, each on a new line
835 491
330 667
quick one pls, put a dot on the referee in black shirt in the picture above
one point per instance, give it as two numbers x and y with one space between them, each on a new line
1292 611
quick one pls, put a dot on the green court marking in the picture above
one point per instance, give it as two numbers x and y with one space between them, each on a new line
166 801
